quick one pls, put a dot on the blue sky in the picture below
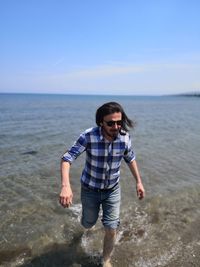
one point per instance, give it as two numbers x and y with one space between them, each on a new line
136 47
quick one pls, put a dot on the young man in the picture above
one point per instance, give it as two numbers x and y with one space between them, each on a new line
105 146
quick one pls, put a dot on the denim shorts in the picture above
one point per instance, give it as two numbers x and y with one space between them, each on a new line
108 200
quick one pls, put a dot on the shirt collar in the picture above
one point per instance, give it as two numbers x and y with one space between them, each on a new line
101 137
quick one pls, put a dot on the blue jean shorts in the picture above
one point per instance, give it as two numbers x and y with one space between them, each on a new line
108 200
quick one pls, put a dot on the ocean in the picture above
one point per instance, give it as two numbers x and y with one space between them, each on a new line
161 230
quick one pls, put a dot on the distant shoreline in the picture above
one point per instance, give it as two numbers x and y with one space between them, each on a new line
190 94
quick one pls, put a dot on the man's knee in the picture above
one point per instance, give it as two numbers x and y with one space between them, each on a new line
87 225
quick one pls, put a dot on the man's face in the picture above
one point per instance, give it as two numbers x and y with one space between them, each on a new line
111 125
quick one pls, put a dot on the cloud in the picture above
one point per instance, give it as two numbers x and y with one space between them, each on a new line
104 71
59 61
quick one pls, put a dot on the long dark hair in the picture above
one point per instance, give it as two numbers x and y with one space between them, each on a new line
110 108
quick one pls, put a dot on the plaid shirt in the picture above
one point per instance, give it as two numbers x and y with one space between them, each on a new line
103 158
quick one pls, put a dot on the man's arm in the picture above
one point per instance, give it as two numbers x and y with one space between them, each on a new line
66 194
139 186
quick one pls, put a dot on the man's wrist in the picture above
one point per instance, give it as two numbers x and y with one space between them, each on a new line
65 185
138 181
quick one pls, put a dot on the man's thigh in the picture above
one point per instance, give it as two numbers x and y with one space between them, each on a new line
111 208
90 207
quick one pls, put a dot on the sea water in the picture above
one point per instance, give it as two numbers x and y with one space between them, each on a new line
161 230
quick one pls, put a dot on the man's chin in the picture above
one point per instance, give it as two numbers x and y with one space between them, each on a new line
114 133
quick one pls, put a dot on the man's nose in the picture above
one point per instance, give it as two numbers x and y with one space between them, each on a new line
115 125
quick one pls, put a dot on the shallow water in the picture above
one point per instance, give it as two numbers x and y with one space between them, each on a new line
162 230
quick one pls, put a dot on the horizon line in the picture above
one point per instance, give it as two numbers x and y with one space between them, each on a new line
192 93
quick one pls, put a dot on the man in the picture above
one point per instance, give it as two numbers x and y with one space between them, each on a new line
105 146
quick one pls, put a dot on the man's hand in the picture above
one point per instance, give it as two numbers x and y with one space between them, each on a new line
66 196
140 190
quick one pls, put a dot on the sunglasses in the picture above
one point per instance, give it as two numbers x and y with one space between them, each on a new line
112 123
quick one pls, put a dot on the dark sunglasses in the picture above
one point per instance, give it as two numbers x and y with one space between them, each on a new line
112 123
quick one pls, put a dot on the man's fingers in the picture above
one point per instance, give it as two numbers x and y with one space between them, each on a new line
65 202
140 194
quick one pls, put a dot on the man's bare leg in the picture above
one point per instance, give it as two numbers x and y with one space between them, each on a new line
108 246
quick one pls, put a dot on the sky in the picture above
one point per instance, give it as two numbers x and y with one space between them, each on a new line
121 47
